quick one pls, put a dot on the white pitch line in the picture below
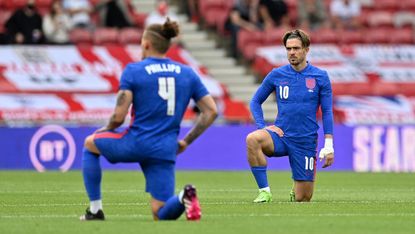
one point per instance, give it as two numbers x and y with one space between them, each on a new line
231 190
231 215
125 191
208 203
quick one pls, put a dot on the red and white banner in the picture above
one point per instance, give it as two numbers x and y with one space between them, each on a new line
390 64
85 69
68 83
375 109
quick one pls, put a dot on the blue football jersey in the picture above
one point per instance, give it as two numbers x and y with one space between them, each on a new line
161 91
298 96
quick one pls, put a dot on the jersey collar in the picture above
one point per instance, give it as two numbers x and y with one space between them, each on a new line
302 71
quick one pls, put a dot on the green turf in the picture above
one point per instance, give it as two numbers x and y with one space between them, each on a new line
343 202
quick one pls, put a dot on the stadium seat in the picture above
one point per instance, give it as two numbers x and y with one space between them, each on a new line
350 37
14 4
291 4
43 3
236 111
248 42
324 36
214 10
221 17
404 19
211 15
376 35
94 2
380 19
105 36
262 66
386 5
130 36
402 36
273 36
407 5
4 16
364 16
206 4
407 89
384 88
246 37
43 11
81 36
249 50
139 19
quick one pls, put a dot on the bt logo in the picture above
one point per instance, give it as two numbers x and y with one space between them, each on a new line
52 146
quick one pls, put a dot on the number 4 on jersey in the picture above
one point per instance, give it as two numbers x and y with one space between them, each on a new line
167 92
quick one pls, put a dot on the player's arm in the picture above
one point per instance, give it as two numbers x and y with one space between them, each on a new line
124 99
326 100
259 97
208 114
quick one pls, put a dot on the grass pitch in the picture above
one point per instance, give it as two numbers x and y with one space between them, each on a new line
344 202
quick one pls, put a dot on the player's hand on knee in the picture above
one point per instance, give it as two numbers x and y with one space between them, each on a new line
182 146
276 129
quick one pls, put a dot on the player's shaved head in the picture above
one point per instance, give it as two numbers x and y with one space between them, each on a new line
160 35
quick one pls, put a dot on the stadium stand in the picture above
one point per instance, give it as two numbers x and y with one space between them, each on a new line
105 36
130 36
386 24
81 36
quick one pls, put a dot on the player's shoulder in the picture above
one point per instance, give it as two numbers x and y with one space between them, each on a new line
186 70
282 70
134 66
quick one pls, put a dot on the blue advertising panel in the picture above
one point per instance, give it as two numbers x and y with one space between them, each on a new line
380 148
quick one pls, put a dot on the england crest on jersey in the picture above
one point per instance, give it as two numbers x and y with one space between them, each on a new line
310 83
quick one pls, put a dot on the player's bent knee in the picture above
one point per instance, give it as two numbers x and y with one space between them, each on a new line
303 197
253 139
88 143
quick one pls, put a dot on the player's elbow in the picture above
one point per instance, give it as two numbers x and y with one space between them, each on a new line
213 114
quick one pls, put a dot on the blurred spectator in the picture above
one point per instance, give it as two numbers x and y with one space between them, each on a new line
25 25
79 11
345 14
274 13
160 14
244 15
312 15
57 24
192 11
114 13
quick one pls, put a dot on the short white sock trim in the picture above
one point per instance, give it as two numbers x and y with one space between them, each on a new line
267 189
180 196
95 206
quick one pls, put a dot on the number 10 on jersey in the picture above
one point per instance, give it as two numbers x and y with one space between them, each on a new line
167 91
284 92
